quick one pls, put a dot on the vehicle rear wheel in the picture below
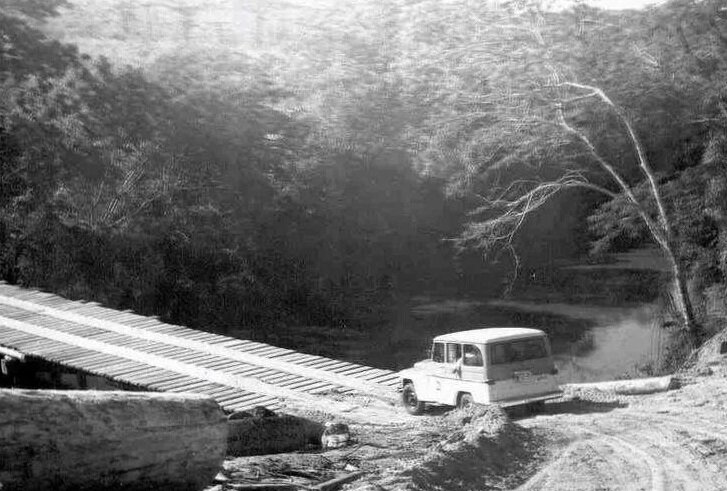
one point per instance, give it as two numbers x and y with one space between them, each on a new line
465 401
412 404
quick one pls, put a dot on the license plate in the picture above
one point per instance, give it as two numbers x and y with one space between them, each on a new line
523 376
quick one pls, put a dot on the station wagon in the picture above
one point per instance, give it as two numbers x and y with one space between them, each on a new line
507 366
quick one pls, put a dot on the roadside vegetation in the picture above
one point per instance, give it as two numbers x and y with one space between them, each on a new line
253 169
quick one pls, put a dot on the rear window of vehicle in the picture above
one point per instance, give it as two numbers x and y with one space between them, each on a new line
520 350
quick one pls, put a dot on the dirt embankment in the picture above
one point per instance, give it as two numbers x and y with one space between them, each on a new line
470 450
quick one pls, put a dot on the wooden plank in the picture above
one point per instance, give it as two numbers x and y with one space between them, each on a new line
249 398
218 392
188 356
294 358
242 344
171 383
357 372
223 364
279 377
248 370
81 358
140 370
317 361
65 351
265 350
161 376
198 388
242 396
304 385
164 350
132 367
189 384
192 335
154 376
379 375
11 336
113 370
284 352
329 365
235 343
105 362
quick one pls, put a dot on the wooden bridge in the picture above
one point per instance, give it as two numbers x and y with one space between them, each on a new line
141 351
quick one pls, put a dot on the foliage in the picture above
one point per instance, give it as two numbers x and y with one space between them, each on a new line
201 198
284 164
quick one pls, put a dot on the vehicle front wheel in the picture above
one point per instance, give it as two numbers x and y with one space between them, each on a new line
466 401
412 404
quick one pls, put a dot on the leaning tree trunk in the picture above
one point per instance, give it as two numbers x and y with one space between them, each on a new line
660 228
681 293
83 440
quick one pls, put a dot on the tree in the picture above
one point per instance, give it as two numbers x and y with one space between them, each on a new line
516 125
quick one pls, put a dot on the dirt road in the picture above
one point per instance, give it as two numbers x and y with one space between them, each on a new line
671 441
588 440
675 440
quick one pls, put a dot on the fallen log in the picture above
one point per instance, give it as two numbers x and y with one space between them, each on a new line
284 433
84 440
629 386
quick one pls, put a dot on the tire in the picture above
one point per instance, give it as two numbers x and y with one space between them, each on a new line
411 402
465 401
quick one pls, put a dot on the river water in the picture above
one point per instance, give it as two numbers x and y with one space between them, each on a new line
590 342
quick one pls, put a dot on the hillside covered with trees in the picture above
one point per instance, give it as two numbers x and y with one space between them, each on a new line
257 166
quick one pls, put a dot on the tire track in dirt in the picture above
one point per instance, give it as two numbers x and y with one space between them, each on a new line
633 450
696 447
594 460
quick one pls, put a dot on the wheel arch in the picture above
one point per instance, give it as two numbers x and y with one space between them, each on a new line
460 394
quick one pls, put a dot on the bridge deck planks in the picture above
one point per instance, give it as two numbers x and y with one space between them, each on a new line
67 332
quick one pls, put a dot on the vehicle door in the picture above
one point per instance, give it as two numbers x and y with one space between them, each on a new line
451 373
431 389
472 363
472 373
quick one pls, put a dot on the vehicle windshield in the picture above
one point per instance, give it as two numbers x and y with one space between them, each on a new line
438 352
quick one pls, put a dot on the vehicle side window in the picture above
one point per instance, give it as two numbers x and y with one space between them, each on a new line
438 352
454 352
514 351
472 356
499 354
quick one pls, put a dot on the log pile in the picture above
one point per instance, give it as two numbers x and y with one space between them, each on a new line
294 472
78 440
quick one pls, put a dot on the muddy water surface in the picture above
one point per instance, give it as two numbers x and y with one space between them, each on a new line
589 342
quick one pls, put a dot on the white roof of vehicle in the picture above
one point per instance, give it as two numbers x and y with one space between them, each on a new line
489 335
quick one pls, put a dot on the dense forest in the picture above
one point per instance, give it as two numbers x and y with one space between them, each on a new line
249 167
